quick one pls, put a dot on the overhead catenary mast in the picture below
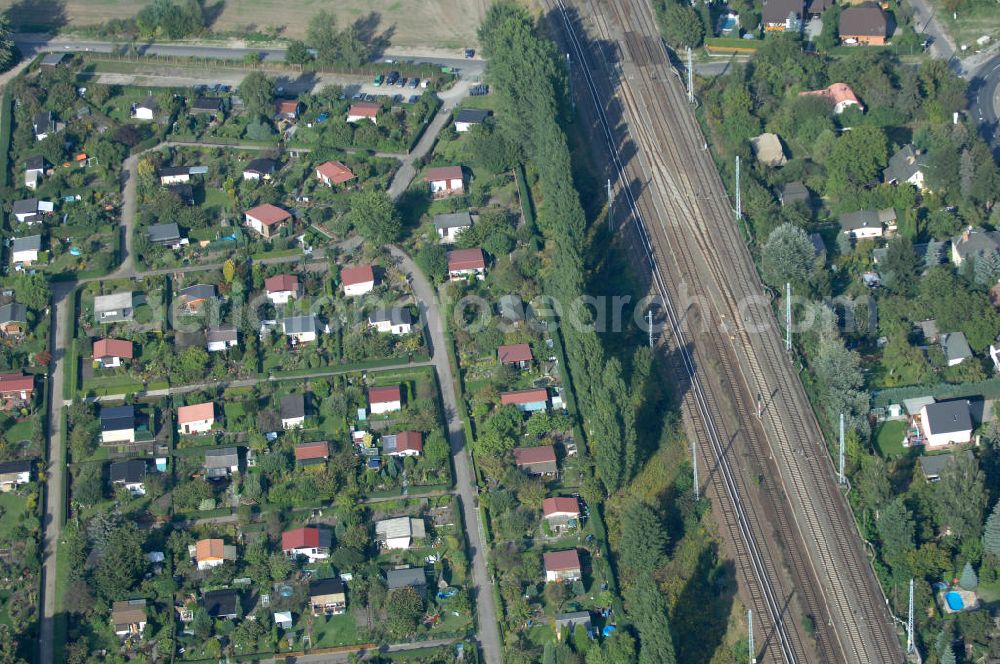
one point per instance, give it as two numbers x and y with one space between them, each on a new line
788 316
909 623
840 456
690 77
739 201
753 655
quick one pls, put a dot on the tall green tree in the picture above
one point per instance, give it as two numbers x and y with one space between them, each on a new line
257 93
959 498
9 53
682 26
648 610
991 532
896 528
903 264
968 580
375 217
788 256
643 542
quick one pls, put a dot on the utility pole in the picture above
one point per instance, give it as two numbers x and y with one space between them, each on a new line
788 316
909 623
569 80
840 457
649 323
694 469
690 78
739 201
753 657
611 223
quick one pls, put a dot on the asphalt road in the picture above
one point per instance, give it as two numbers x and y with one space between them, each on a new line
984 104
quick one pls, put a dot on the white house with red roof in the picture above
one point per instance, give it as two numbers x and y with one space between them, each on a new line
840 95
559 511
281 288
357 280
403 444
384 399
562 566
333 172
516 354
109 353
16 387
363 110
446 180
312 454
195 419
527 401
464 263
267 219
310 542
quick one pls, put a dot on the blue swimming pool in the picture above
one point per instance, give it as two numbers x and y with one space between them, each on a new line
954 600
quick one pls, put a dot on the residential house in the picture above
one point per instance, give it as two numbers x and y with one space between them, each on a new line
53 59
334 172
145 109
865 24
293 411
311 454
195 419
567 622
300 329
221 462
267 219
449 226
42 125
946 423
446 180
16 388
466 118
396 320
407 577
223 604
287 109
118 424
327 597
206 105
976 244
363 110
174 174
34 171
31 210
539 460
794 192
517 354
384 399
357 280
782 15
166 235
868 224
512 310
768 150
14 473
840 95
403 444
527 401
932 466
260 169
24 250
905 166
559 512
463 263
956 348
194 299
209 553
13 319
400 533
562 566
129 474
283 619
221 338
282 287
311 542
114 308
129 617
816 8
109 353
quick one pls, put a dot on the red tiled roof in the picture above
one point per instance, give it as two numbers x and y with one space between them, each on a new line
359 274
515 353
196 413
364 109
209 549
16 382
836 92
410 441
556 505
384 394
466 259
307 451
531 455
444 173
281 282
335 171
268 214
561 561
288 106
524 396
113 348
300 538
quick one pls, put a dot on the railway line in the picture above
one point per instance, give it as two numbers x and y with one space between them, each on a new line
805 554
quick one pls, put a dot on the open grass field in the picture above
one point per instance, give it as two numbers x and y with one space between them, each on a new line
406 23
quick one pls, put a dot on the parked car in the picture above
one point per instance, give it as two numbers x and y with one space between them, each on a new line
392 78
470 52
378 80
414 82
225 88
413 99
402 82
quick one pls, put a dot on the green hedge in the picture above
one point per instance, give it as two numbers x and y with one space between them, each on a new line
988 389
6 127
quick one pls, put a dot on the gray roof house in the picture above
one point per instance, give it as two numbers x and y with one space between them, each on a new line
569 621
949 416
905 166
30 243
974 243
130 471
292 406
221 338
448 226
932 466
221 603
299 325
867 223
956 347
206 104
412 577
794 192
113 308
782 15
221 461
513 309
13 312
164 233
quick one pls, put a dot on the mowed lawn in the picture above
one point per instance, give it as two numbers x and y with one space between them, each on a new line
443 24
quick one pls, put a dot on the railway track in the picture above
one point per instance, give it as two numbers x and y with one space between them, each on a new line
686 232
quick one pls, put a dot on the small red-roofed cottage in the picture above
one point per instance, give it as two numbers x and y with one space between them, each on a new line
311 542
539 460
16 388
463 263
528 401
446 180
384 399
363 110
357 280
288 109
281 288
333 172
519 354
198 418
311 454
404 443
109 353
562 566
558 512
267 219
839 94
